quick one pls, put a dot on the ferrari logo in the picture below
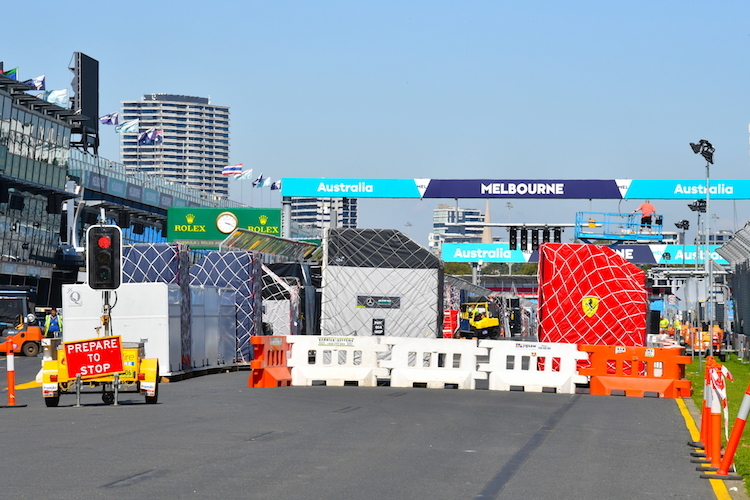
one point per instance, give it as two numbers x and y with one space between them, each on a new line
590 305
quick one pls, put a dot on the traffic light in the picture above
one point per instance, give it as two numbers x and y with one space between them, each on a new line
513 239
535 240
104 257
545 235
558 235
524 240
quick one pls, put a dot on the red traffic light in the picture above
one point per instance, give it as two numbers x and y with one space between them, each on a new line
104 242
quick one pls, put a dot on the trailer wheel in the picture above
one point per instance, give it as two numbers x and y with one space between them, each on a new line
30 349
152 400
108 398
52 402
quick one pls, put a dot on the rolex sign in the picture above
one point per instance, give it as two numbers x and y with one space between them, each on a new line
203 227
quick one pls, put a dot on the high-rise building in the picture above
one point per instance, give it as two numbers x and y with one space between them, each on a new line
319 212
447 226
193 146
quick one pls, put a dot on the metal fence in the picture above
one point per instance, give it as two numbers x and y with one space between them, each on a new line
737 252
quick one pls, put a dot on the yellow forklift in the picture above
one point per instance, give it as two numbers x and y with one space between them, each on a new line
483 317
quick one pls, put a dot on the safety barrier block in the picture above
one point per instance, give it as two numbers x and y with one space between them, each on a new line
433 363
269 365
636 371
336 361
532 366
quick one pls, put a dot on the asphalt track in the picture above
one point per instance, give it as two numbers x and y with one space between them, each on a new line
213 437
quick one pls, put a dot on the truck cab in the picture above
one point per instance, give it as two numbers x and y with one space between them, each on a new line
12 305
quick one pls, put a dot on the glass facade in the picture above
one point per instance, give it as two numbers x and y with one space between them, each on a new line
33 162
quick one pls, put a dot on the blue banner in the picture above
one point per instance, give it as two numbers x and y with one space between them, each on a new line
687 254
550 189
599 189
676 189
350 188
637 254
484 252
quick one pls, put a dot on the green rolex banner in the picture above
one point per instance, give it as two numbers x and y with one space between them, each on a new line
202 227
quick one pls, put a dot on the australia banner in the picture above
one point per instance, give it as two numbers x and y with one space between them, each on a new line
583 189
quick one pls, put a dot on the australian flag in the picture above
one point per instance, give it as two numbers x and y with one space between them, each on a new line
150 136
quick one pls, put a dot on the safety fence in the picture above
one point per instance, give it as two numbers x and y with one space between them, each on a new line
504 365
636 371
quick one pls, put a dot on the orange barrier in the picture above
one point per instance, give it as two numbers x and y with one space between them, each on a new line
636 371
268 367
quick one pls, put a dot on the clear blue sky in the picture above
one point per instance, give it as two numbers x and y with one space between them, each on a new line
428 89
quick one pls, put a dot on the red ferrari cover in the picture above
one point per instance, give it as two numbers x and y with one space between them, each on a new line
588 294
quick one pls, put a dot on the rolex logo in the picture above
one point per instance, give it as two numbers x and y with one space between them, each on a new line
263 219
190 218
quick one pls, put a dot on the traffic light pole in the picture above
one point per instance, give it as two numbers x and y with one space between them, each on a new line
709 267
106 318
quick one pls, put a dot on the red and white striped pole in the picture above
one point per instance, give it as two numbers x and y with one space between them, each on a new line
10 369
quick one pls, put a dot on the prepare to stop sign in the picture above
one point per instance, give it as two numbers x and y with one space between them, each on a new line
94 357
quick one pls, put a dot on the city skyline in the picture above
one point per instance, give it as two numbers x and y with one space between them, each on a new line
579 90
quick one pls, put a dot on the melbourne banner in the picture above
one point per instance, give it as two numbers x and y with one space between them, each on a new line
637 254
600 189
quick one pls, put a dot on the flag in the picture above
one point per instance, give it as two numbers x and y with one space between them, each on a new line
276 185
110 119
247 174
150 137
232 169
128 127
37 83
59 97
266 182
259 181
11 73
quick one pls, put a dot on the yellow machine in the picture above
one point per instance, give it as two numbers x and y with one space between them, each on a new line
71 365
139 375
484 321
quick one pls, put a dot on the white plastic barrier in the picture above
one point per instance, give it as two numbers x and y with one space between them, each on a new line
532 366
435 363
335 360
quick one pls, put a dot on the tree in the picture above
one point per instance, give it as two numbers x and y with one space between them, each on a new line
495 268
457 268
528 269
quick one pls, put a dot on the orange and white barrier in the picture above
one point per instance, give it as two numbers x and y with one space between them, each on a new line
10 369
734 441
716 401
336 361
636 371
532 366
433 363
